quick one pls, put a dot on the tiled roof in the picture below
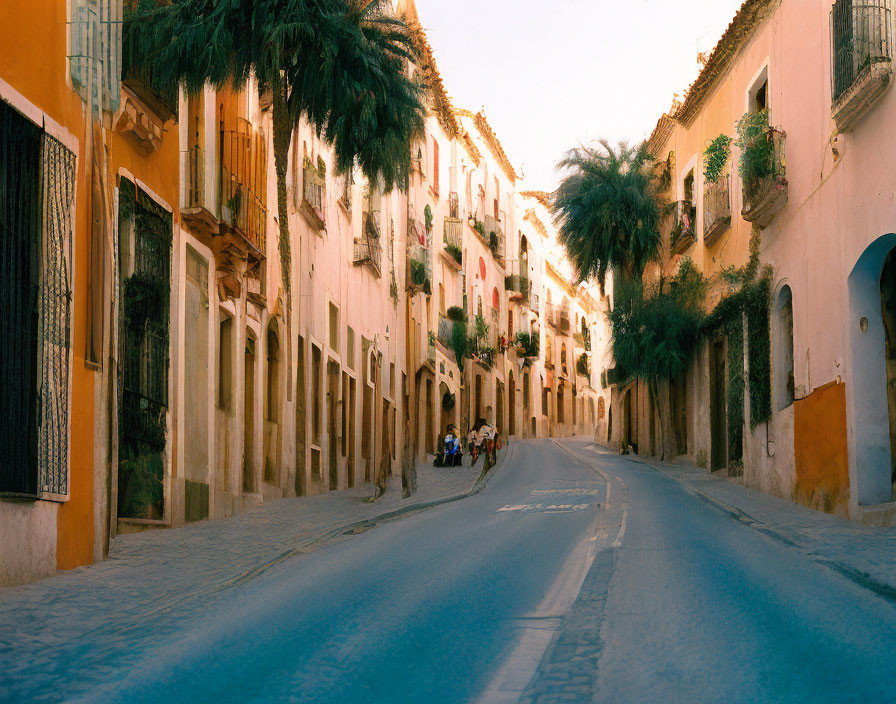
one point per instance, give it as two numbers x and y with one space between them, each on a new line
491 139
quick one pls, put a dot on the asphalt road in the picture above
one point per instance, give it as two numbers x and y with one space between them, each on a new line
574 576
423 609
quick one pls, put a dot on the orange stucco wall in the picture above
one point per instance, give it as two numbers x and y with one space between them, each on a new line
822 461
33 62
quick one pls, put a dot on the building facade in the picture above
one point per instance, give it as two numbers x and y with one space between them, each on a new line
812 80
176 379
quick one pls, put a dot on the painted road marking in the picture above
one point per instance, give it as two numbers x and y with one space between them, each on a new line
566 492
553 508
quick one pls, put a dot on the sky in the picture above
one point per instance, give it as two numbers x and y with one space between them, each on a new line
555 73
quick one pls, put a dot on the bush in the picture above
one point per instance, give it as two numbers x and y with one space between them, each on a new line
418 273
456 313
757 150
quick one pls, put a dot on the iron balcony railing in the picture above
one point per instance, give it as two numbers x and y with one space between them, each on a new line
716 206
517 285
431 348
453 236
446 331
242 210
196 196
419 265
684 228
314 191
861 35
368 249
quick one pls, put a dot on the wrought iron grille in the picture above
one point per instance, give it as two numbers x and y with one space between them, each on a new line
861 34
143 355
54 319
19 276
716 204
36 190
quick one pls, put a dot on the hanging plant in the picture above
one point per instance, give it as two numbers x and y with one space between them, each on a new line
456 313
427 216
715 158
757 150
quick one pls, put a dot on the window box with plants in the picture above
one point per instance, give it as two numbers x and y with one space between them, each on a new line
761 168
526 344
717 188
862 61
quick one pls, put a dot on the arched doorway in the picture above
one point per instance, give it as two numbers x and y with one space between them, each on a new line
499 409
448 403
249 417
871 330
527 413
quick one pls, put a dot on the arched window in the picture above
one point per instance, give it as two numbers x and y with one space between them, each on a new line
782 375
272 396
496 298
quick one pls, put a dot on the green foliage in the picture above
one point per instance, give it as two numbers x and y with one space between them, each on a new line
479 227
493 242
427 287
427 216
716 156
456 314
529 343
418 272
757 151
455 252
338 63
654 331
751 299
607 210
459 341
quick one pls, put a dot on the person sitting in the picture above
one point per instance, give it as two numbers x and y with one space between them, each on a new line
453 453
474 442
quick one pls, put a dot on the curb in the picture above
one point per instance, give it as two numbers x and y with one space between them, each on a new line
363 526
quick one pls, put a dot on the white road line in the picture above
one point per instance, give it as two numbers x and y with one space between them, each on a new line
618 542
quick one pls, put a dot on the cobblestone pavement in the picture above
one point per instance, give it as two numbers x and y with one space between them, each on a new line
153 572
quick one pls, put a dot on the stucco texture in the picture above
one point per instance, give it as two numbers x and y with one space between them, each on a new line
822 459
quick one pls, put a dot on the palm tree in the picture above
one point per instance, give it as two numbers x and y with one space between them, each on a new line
607 210
340 64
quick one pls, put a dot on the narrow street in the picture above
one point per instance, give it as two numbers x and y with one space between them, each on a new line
550 585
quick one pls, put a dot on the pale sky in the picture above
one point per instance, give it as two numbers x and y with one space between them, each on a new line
553 73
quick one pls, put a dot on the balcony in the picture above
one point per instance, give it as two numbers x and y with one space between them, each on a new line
862 70
557 317
716 207
367 248
453 238
314 198
242 211
765 184
200 204
494 237
445 334
684 228
419 269
141 80
583 367
517 287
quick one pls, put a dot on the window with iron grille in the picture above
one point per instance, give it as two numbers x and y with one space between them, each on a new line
145 228
36 190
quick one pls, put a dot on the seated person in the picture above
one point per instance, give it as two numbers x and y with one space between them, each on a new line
453 453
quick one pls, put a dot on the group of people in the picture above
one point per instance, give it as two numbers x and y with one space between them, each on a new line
483 439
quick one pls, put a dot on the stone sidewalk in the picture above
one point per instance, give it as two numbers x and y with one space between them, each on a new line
864 554
150 573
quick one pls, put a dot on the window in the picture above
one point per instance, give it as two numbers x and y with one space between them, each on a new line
334 327
316 371
38 175
350 347
225 362
757 94
783 349
272 395
689 187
